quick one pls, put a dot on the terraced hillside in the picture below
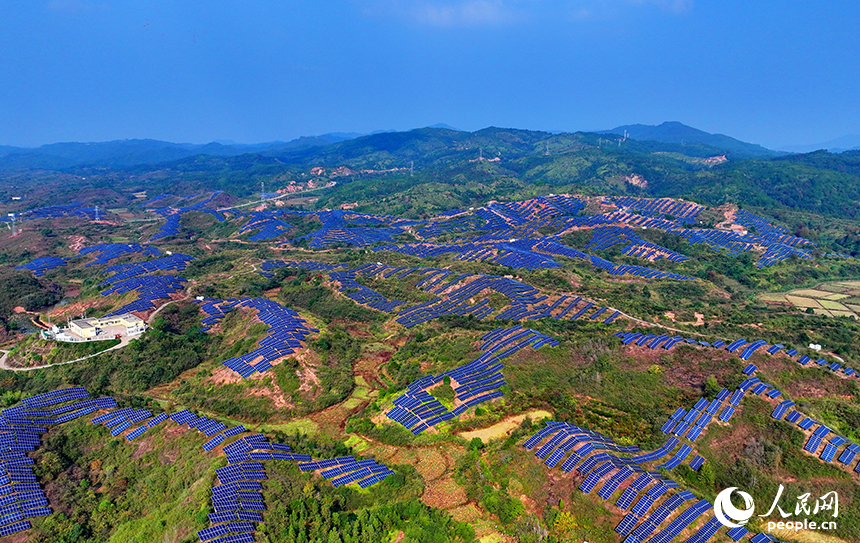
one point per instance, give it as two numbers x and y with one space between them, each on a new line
564 367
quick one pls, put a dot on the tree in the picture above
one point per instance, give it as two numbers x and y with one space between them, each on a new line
706 476
712 387
565 523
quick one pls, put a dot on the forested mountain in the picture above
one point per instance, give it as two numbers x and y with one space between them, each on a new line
369 350
675 132
709 171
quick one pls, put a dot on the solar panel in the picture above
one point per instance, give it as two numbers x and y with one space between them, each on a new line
627 524
806 423
828 453
812 444
14 528
736 534
847 456
642 506
696 462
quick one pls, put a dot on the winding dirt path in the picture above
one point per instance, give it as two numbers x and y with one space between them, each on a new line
3 366
657 324
122 343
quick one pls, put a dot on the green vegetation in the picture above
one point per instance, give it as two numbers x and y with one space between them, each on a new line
34 351
172 345
329 398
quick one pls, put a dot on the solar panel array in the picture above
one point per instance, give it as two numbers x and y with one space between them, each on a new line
740 347
513 231
476 382
455 295
21 427
347 470
237 500
74 209
174 262
570 446
286 332
691 422
122 419
173 214
679 210
347 284
604 237
148 288
237 497
39 266
355 237
598 458
46 410
134 277
105 252
505 223
533 254
267 224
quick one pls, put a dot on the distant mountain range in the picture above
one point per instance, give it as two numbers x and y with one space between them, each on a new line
137 152
134 152
838 145
670 160
675 132
123 153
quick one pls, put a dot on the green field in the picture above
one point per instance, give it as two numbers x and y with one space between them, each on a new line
829 299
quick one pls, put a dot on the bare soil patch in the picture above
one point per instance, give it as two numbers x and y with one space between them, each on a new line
444 494
505 426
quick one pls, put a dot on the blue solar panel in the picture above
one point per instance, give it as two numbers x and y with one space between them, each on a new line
847 456
806 423
736 534
642 506
793 416
627 524
813 444
696 462
14 528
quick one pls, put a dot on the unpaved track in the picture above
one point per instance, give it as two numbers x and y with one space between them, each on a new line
122 343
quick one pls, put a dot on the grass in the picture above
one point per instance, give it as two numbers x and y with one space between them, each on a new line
34 351
302 426
824 299
357 444
148 499
806 536
589 380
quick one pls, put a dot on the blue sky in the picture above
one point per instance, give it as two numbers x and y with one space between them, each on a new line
768 72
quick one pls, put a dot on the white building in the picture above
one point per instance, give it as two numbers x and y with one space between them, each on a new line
98 329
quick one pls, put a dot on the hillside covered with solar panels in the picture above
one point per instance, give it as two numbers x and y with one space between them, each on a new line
433 336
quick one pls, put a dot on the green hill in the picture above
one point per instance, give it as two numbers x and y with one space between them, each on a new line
675 132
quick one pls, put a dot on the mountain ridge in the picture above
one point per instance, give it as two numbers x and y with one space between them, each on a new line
133 152
849 142
677 132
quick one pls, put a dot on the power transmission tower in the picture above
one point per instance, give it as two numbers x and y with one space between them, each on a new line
97 213
411 167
